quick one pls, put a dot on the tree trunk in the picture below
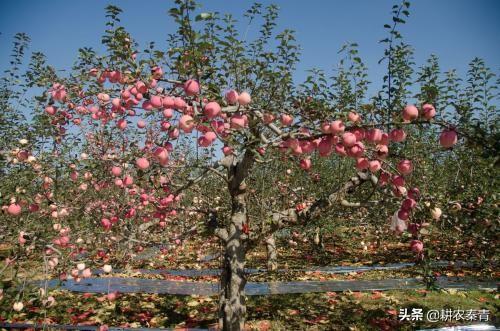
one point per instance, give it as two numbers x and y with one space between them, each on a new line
272 255
232 306
318 240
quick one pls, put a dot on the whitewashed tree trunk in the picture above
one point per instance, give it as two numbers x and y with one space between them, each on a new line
272 255
232 305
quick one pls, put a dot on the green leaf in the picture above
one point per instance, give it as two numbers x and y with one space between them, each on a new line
203 16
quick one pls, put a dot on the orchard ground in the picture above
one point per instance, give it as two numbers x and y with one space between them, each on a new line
313 311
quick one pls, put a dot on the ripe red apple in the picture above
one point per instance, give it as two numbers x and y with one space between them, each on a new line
116 171
397 135
168 112
156 101
51 110
398 181
448 138
186 123
232 97
86 273
239 121
212 109
408 204
405 167
157 72
244 99
353 117
106 223
141 87
305 164
191 87
121 124
382 151
374 166
168 102
141 124
142 163
286 120
14 209
414 193
337 127
374 135
227 150
428 111
410 113
325 146
416 246
362 163
179 103
403 214
349 139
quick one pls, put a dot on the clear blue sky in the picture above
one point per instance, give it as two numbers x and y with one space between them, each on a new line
455 30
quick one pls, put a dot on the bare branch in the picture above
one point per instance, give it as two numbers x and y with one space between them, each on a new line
291 216
195 180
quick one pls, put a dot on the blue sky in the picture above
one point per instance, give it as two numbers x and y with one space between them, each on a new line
455 30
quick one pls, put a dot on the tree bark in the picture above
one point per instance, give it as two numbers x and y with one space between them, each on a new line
272 256
232 309
232 306
317 238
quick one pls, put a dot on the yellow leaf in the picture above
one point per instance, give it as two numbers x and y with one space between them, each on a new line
193 303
